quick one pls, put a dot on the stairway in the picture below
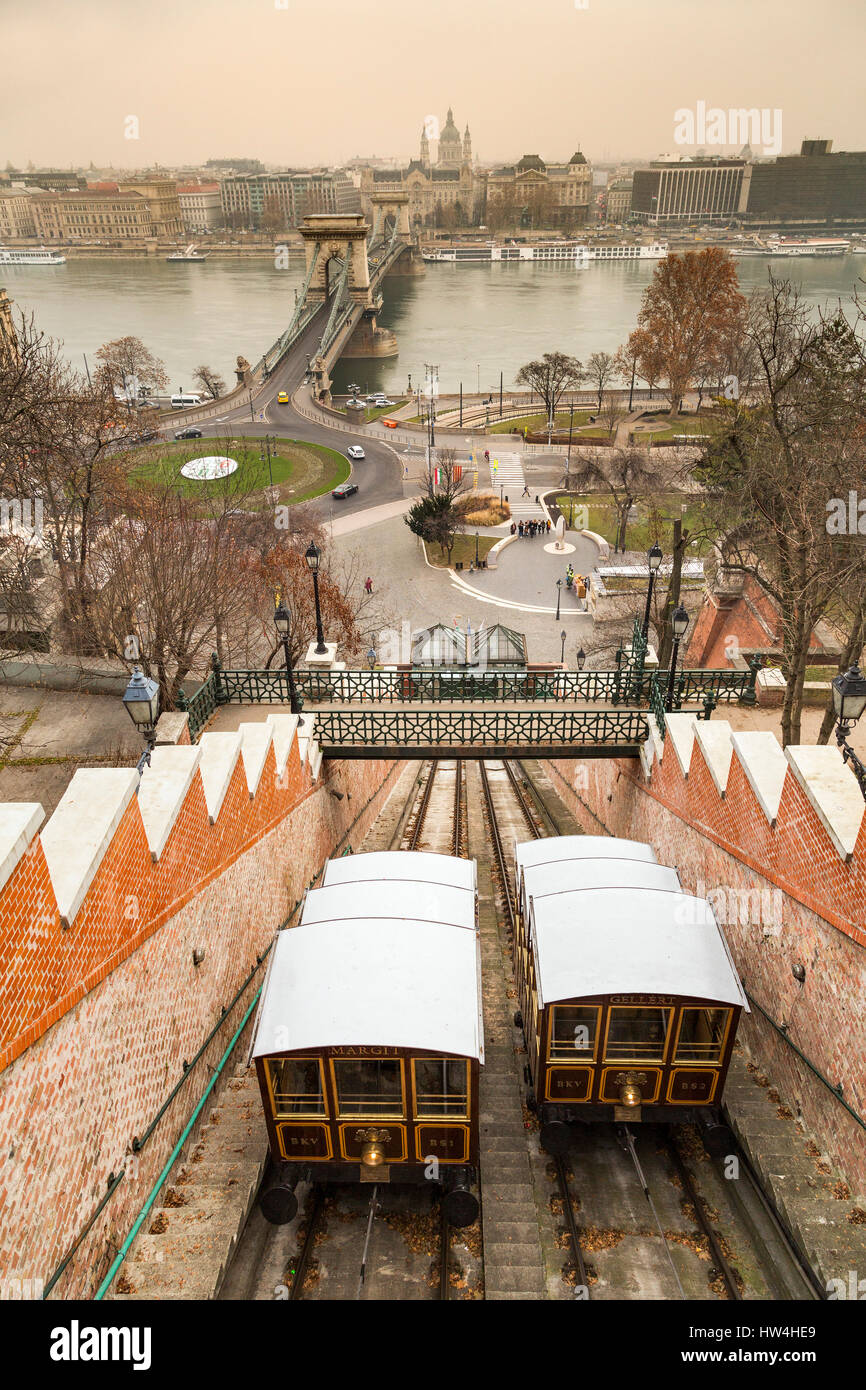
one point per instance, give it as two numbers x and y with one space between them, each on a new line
510 477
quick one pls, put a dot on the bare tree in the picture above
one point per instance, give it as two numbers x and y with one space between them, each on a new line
600 368
209 380
551 376
125 361
621 473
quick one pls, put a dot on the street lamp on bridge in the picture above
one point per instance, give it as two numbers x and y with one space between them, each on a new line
654 559
849 702
281 623
679 623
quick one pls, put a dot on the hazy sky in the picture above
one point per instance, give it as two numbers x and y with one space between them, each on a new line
307 81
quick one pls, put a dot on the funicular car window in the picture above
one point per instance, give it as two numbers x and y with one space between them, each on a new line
573 1032
296 1086
369 1087
441 1086
702 1035
637 1032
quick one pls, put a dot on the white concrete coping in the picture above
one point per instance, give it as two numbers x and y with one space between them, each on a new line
493 554
652 749
714 741
219 754
77 836
680 729
833 791
171 726
306 738
603 545
256 740
19 822
315 762
284 728
164 786
771 678
765 766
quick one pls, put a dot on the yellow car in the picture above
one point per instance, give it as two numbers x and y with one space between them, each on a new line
282 398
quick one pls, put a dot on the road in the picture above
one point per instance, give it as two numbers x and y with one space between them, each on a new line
378 476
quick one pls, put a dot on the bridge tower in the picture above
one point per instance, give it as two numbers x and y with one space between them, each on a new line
329 238
396 207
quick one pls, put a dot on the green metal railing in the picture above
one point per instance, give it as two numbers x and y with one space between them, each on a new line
411 730
630 685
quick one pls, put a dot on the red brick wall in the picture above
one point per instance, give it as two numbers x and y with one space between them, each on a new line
724 846
104 1014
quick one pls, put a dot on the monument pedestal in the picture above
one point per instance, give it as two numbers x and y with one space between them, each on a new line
322 661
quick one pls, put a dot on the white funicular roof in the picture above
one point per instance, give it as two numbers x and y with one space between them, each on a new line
372 982
631 940
401 898
579 875
385 865
556 847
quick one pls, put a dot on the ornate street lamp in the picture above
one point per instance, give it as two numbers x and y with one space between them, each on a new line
679 623
849 702
313 555
371 657
558 596
476 549
562 652
141 701
281 623
654 559
581 658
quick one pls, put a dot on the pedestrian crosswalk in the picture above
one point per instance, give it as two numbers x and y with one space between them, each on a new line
506 472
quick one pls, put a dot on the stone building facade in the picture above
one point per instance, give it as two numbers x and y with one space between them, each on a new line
92 216
200 206
541 194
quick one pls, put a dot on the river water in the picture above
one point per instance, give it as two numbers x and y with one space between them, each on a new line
473 321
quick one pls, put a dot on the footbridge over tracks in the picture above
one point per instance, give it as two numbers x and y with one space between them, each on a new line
347 260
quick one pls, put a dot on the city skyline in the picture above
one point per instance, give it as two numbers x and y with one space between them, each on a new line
171 90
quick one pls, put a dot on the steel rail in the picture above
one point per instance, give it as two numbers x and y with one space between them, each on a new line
444 1255
574 1229
702 1219
497 848
422 808
314 1221
457 829
629 1144
521 799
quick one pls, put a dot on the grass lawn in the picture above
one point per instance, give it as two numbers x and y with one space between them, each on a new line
641 532
688 424
299 470
464 549
538 423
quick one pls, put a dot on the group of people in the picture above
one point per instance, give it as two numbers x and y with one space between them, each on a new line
530 528
578 583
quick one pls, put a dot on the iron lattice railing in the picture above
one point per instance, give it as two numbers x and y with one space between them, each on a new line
461 728
618 687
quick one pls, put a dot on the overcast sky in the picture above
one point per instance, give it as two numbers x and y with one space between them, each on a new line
297 82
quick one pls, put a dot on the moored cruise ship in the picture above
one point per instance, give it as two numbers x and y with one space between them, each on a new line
562 252
30 255
795 246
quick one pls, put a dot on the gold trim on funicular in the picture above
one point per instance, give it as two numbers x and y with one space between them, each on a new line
353 1125
704 1071
654 1071
435 1124
626 1061
280 1125
578 1061
369 1119
423 1119
296 1114
569 1066
718 1062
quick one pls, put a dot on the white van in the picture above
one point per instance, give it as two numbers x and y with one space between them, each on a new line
184 401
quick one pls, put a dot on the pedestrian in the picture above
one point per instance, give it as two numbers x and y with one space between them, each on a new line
520 530
537 503
368 584
548 525
513 529
525 492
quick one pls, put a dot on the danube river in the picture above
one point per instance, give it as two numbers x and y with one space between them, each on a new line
474 321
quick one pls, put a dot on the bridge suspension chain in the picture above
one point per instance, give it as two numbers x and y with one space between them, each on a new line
299 320
340 296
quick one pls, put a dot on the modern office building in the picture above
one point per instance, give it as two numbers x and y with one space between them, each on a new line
814 188
690 190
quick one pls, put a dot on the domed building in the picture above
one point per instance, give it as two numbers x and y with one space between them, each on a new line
445 191
532 193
